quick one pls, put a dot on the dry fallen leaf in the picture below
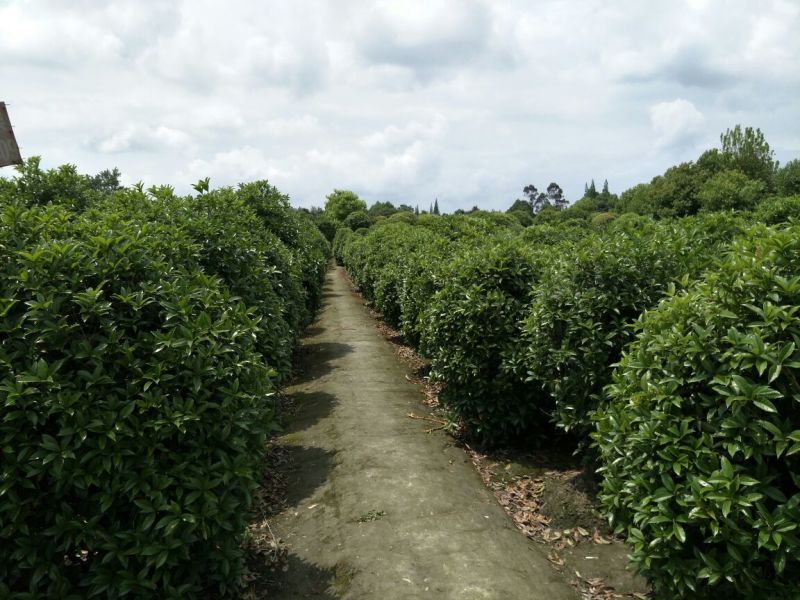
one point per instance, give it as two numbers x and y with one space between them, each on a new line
555 559
599 539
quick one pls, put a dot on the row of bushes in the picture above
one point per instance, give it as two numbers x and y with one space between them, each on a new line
700 441
525 329
143 335
523 326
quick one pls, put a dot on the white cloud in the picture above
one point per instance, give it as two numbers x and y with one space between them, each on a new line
63 43
395 136
232 166
774 43
425 36
302 125
137 138
676 122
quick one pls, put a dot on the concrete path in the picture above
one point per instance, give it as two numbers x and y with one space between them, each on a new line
378 508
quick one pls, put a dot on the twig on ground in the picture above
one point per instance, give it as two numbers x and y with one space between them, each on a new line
432 429
441 422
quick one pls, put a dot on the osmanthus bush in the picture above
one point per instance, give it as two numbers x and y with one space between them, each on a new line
34 186
396 264
470 329
341 241
581 312
420 278
376 260
281 283
366 252
135 407
700 443
142 334
426 268
393 266
548 234
296 230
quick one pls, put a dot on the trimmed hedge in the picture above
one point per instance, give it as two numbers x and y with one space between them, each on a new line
273 258
141 341
700 444
134 413
470 329
581 312
393 266
297 231
397 265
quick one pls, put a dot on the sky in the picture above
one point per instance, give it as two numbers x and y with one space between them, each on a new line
467 101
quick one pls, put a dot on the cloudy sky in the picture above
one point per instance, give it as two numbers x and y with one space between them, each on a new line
464 100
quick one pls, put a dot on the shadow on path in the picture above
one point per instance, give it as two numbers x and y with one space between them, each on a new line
309 470
315 360
311 407
304 580
313 331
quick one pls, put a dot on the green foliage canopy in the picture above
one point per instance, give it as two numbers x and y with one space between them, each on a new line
340 203
700 442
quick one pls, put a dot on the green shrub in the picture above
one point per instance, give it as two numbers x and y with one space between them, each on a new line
580 316
700 444
778 210
420 278
357 220
549 214
547 234
135 411
496 221
252 262
387 295
730 190
402 217
314 253
787 179
603 220
340 241
35 186
273 209
396 264
471 326
297 231
524 217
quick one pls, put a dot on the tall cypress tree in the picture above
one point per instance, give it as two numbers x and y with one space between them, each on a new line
592 191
